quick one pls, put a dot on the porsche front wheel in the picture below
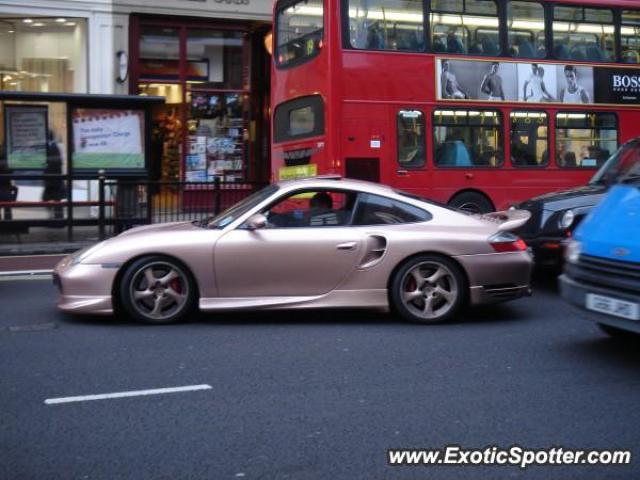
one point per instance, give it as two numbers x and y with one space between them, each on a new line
428 289
157 290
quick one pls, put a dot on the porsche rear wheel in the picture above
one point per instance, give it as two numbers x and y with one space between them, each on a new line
428 289
157 290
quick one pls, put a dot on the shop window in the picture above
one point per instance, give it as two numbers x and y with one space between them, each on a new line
585 140
43 54
585 34
215 59
526 30
529 139
411 139
386 25
467 138
299 31
465 27
217 136
630 36
159 53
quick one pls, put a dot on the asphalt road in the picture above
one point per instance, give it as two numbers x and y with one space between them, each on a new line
300 395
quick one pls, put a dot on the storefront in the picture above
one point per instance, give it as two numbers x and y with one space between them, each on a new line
214 77
207 58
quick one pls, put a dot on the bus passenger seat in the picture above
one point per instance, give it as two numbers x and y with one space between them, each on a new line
594 53
438 46
578 53
455 154
454 45
489 47
570 160
525 50
630 57
561 52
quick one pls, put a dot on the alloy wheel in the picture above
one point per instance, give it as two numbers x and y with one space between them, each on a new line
159 290
429 290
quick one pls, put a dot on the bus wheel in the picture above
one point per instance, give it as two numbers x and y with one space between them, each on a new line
471 202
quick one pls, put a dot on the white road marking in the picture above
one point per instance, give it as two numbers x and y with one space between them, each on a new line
132 393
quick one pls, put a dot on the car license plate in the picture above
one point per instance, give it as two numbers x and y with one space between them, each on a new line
613 306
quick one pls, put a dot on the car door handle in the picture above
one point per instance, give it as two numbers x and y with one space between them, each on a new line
347 246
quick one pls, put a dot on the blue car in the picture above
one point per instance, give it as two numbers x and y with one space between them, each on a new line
602 269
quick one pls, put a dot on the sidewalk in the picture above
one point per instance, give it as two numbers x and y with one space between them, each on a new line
28 264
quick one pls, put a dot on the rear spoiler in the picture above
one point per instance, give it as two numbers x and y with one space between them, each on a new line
507 220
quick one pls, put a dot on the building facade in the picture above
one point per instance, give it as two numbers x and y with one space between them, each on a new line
207 58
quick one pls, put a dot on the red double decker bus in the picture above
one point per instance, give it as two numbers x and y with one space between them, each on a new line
475 103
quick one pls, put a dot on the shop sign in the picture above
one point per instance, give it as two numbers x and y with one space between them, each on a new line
111 139
492 81
26 134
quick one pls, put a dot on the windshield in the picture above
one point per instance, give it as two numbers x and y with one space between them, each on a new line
239 209
299 31
622 167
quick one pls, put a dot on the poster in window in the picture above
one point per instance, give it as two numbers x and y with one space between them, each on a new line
108 139
26 134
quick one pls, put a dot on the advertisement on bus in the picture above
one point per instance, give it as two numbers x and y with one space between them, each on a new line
536 82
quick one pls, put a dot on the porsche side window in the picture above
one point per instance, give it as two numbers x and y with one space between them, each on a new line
311 208
377 210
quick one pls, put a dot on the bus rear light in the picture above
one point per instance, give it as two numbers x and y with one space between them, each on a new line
507 242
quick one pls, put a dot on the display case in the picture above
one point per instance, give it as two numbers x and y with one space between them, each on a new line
217 137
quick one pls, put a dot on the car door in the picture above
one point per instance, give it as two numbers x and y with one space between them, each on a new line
301 256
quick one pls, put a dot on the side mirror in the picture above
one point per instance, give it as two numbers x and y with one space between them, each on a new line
256 222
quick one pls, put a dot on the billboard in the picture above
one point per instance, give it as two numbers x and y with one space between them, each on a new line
26 134
536 82
108 139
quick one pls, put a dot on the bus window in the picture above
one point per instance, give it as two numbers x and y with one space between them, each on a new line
465 26
299 31
386 25
585 34
526 32
467 138
529 139
630 36
585 140
299 118
411 139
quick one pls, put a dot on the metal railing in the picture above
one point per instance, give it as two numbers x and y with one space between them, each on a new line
122 203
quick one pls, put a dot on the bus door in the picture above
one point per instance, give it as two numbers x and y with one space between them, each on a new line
407 168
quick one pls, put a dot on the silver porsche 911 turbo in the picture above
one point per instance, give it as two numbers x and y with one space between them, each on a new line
312 243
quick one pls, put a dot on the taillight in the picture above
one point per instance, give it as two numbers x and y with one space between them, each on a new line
507 242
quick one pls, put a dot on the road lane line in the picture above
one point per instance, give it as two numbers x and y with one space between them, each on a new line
131 393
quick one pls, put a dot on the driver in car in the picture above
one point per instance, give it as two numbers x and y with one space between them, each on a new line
321 210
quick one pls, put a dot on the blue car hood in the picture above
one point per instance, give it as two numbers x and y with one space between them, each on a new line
612 230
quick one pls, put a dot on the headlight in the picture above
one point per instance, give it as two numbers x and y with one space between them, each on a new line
567 219
572 253
83 254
